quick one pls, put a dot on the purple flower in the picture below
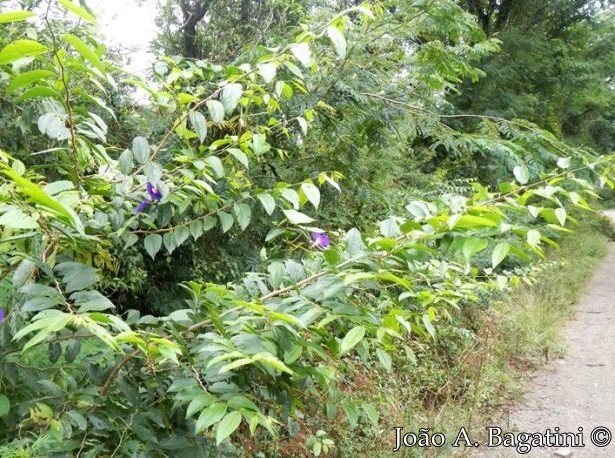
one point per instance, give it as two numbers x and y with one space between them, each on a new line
153 192
320 239
142 206
1 315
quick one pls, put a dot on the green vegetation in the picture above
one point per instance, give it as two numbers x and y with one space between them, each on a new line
300 240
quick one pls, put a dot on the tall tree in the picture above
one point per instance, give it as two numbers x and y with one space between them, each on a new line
555 67
218 29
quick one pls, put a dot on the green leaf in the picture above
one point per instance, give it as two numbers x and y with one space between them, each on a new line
152 244
17 219
140 149
52 321
19 49
91 301
58 187
302 53
303 124
240 156
5 405
216 165
267 71
563 162
291 196
352 414
77 276
126 162
499 253
23 273
84 51
371 413
560 214
533 237
26 78
472 246
385 359
338 40
168 240
521 174
295 217
53 125
14 16
227 426
267 201
226 221
231 93
209 416
199 123
181 234
199 403
81 12
216 111
350 340
37 92
312 194
243 213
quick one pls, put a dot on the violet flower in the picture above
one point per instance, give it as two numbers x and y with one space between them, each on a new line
153 193
142 206
1 315
320 239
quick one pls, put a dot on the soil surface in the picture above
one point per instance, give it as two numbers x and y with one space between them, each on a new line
577 391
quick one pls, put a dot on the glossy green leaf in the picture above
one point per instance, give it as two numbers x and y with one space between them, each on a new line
472 246
226 221
216 111
199 123
352 413
267 71
338 40
19 49
17 219
77 276
152 244
85 51
126 162
500 252
312 193
227 426
560 214
240 156
231 93
243 213
385 359
267 201
533 237
302 53
140 149
38 92
296 217
79 11
209 416
352 339
26 78
522 174
14 16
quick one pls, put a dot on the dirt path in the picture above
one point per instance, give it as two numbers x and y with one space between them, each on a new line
577 391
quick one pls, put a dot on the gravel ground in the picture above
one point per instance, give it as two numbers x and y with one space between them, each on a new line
577 391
